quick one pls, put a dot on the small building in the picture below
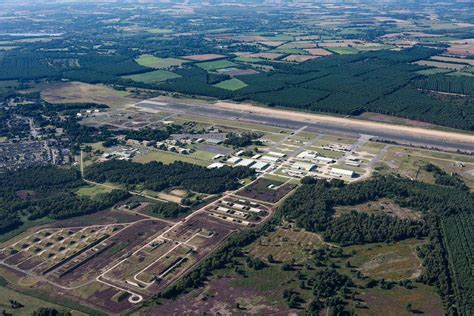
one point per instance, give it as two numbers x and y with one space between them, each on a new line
307 155
239 153
246 162
214 141
352 158
256 156
260 166
269 159
352 163
234 160
325 160
215 165
306 166
218 156
276 154
342 173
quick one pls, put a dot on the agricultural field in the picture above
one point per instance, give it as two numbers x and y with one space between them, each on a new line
154 76
159 63
78 92
214 65
231 84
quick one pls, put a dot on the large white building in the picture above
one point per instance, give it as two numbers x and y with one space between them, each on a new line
301 165
341 173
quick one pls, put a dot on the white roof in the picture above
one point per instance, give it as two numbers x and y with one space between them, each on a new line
269 158
218 156
234 159
239 153
246 162
324 159
342 172
215 165
303 165
260 165
256 156
276 154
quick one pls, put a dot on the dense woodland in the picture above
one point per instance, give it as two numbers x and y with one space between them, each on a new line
158 176
40 192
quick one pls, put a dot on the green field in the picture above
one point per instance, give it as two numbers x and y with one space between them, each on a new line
159 31
92 190
231 84
343 50
214 65
295 51
158 63
30 304
153 76
168 158
249 59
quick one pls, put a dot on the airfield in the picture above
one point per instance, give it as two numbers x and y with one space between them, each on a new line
313 122
117 259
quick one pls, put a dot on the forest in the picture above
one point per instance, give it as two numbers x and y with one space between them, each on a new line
47 191
157 176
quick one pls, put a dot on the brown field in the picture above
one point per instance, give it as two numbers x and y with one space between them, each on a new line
318 52
454 60
260 190
463 50
78 92
242 72
204 57
220 297
299 58
300 44
439 64
424 300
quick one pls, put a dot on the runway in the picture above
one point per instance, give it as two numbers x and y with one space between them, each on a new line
375 130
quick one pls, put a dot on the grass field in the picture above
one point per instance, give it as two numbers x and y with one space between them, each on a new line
214 65
286 245
78 92
424 300
30 304
159 63
153 76
231 84
159 31
249 59
395 262
168 158
92 190
343 50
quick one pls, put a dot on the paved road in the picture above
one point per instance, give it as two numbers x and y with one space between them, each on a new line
321 127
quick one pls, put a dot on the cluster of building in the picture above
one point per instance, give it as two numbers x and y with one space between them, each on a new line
19 155
122 153
307 162
258 162
239 211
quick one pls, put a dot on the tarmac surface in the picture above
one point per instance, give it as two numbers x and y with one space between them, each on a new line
209 111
